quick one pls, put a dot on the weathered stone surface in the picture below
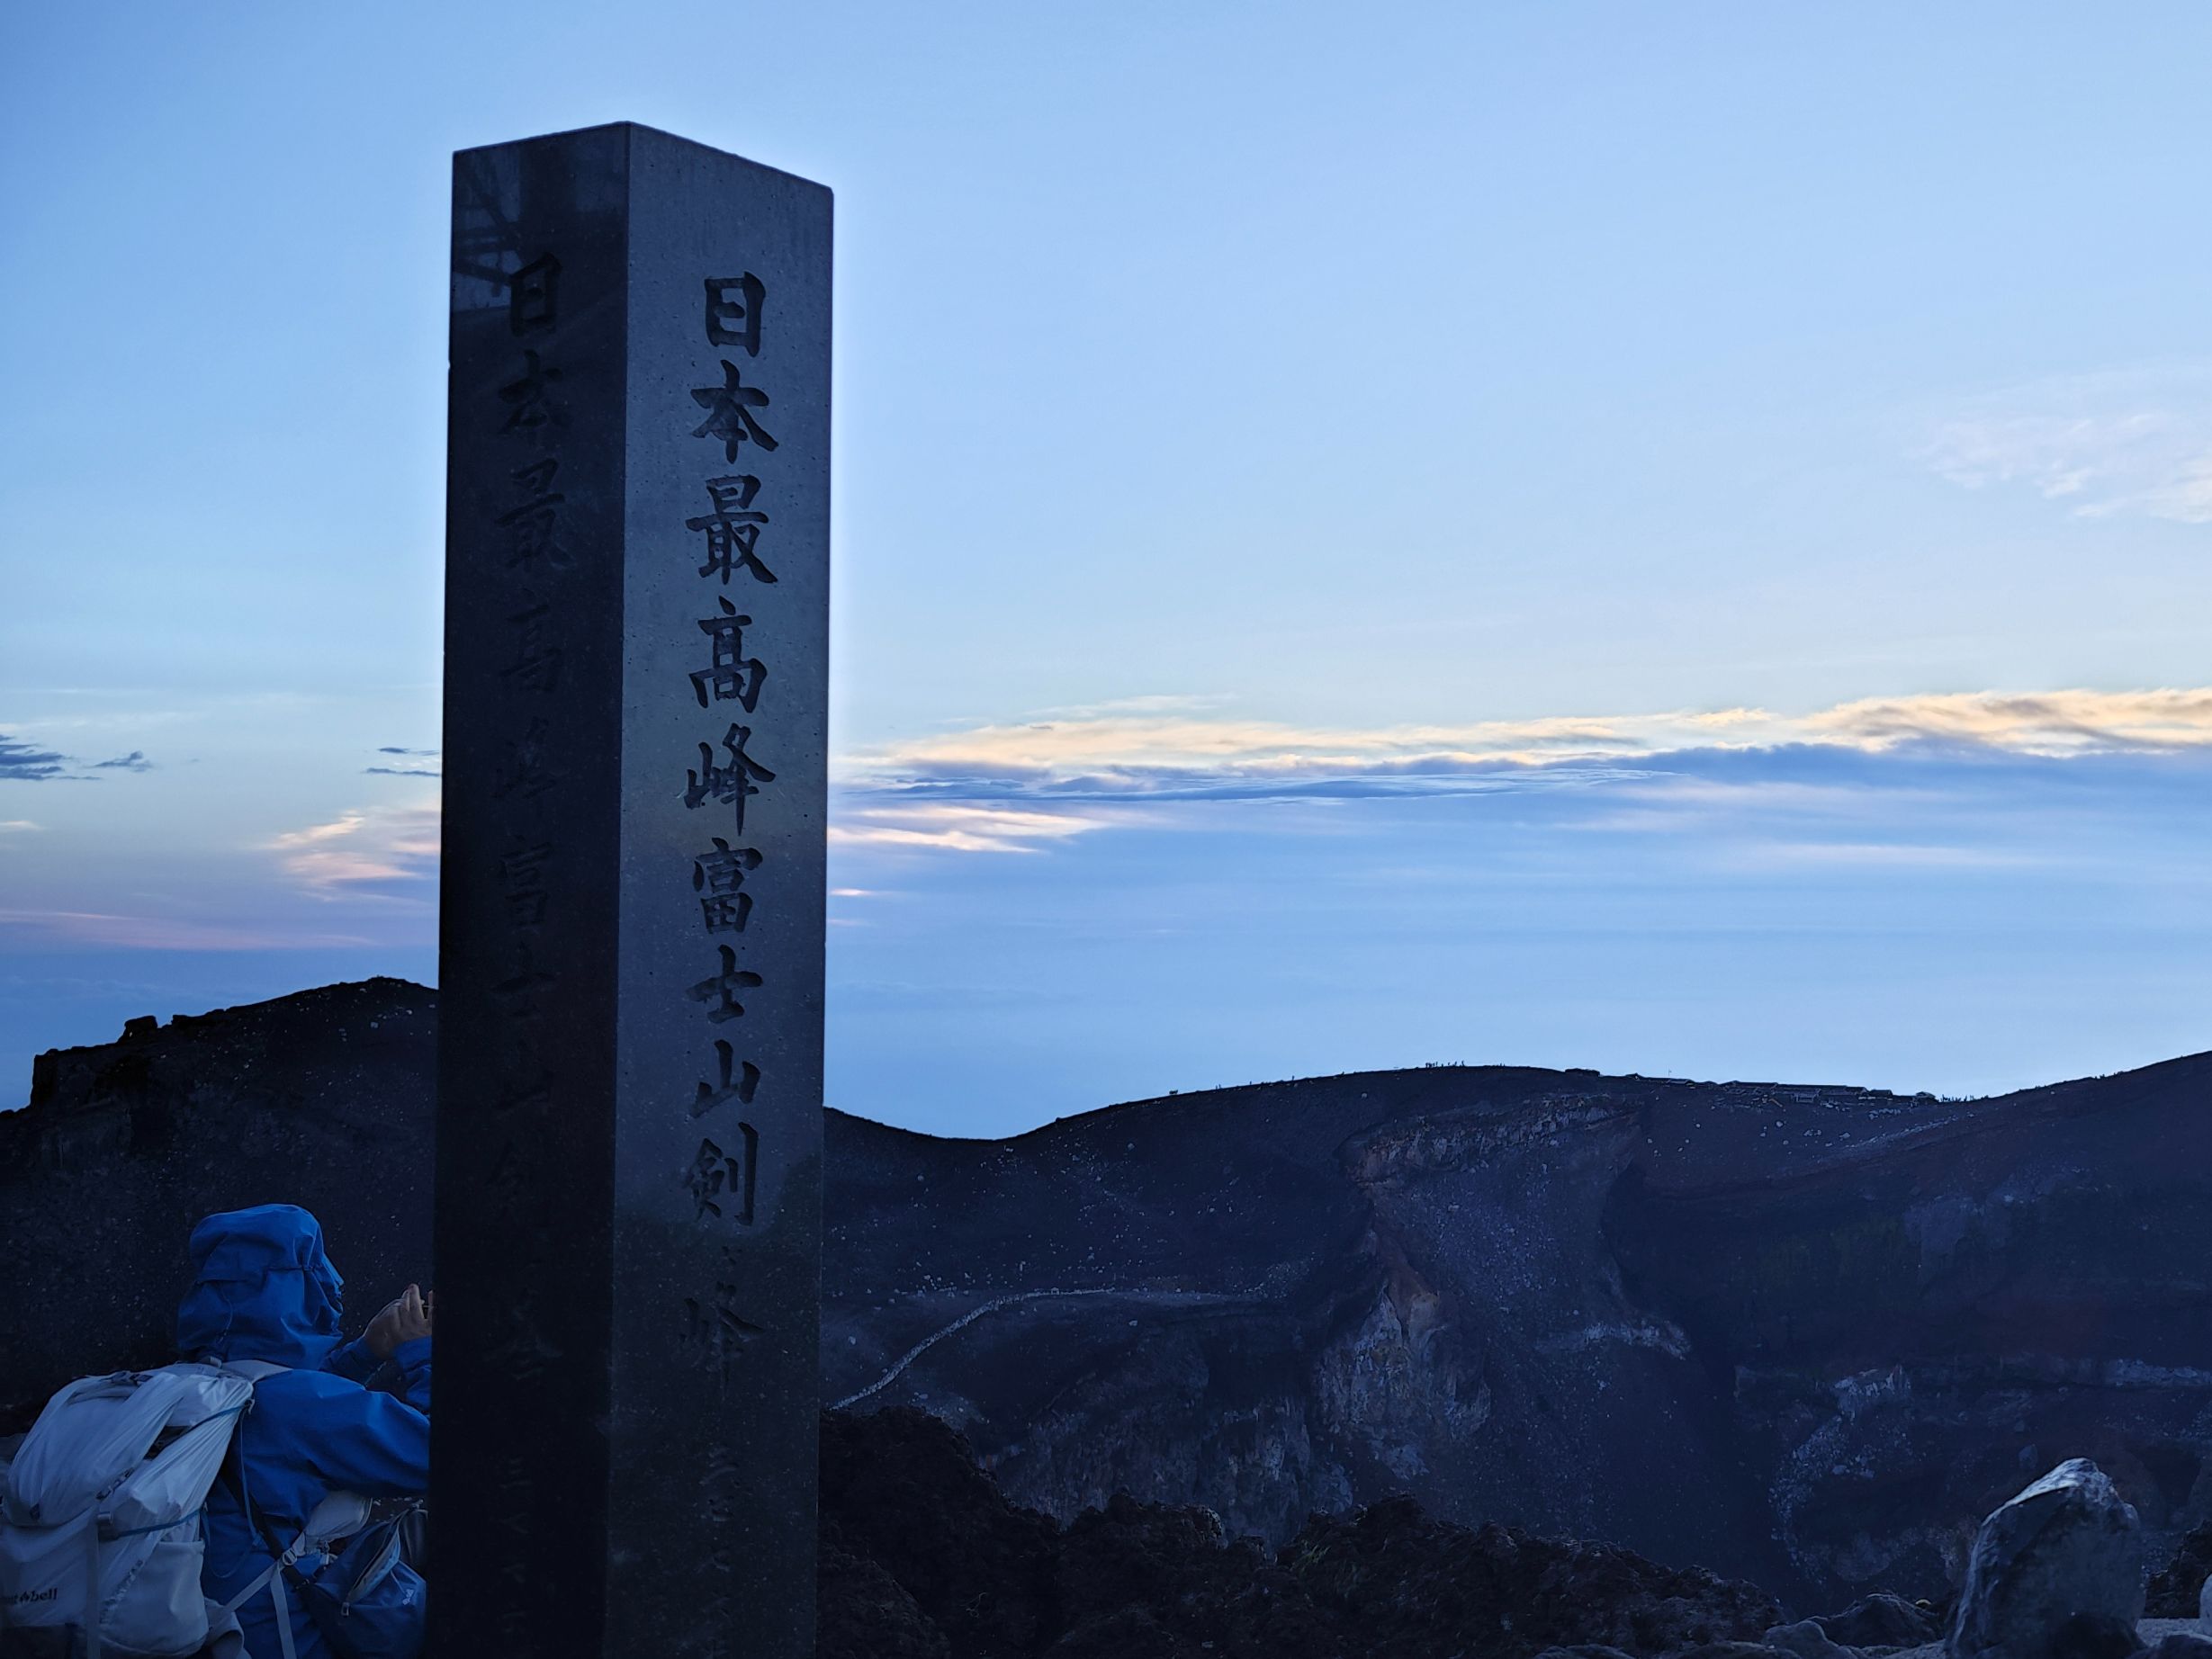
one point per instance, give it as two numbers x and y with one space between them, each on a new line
1807 1640
1881 1621
2056 1570
2179 1645
631 901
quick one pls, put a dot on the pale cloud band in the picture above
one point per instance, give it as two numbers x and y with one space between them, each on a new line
1023 787
141 931
362 851
1127 752
953 828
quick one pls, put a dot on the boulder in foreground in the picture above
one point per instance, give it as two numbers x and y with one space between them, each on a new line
2057 1572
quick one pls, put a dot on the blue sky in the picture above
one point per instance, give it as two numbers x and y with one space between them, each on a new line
1666 538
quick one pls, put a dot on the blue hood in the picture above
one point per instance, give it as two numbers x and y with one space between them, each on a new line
262 1289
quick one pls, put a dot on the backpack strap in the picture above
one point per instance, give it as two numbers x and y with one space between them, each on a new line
272 1579
282 1556
94 1612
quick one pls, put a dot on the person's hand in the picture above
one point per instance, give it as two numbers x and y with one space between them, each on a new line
405 1318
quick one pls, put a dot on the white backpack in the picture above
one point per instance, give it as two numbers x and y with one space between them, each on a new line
100 1514
109 1487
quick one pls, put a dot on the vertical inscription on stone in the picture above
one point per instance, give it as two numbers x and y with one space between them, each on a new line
629 1142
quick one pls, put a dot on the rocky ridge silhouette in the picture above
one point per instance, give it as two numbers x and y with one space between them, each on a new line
1806 1337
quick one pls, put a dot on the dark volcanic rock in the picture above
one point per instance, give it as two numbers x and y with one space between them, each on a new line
902 1490
865 1614
322 1098
921 1548
1422 1586
1805 1336
1136 1557
2177 1589
2055 1572
1805 1639
1881 1621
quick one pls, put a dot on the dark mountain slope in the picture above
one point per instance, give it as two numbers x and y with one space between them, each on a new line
1806 1336
321 1098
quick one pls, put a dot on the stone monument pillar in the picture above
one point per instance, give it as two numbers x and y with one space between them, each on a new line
629 1139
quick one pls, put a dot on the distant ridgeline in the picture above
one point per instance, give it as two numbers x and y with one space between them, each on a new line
323 1099
1803 1336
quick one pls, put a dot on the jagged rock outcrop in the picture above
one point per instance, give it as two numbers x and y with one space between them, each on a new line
322 1098
1881 1621
924 1556
1808 1337
2182 1588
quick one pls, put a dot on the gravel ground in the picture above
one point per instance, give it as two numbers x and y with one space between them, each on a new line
2149 1631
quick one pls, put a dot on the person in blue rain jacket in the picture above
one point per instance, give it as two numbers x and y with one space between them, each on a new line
264 1289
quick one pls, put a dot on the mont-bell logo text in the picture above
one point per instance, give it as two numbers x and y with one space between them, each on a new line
25 1598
